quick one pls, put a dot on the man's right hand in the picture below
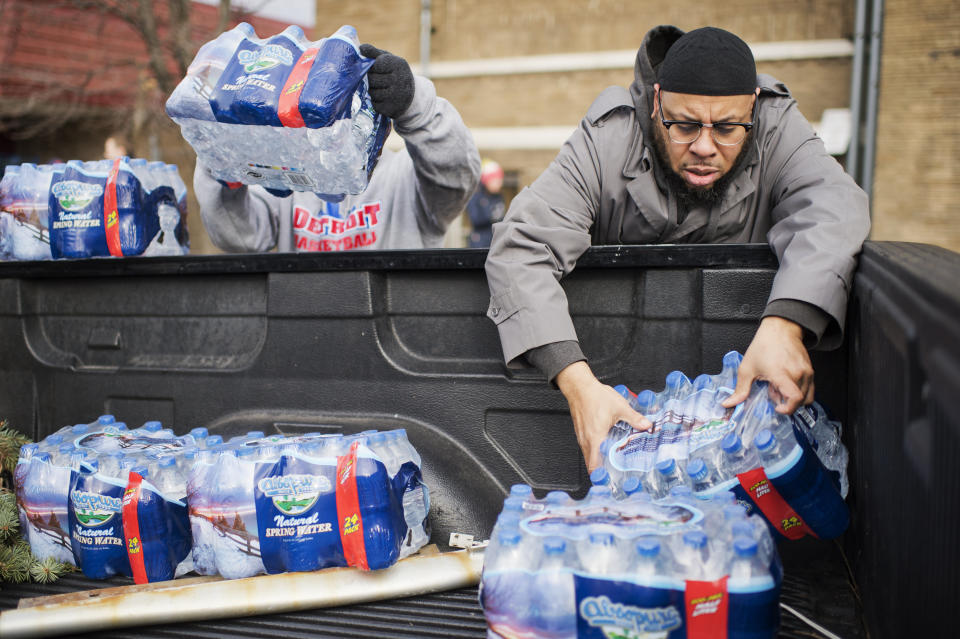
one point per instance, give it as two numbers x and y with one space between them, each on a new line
595 407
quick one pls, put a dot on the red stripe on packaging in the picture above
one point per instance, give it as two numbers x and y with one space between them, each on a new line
348 510
111 217
777 511
131 528
706 604
288 109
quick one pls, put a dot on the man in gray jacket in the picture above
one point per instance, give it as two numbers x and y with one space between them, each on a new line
411 198
701 149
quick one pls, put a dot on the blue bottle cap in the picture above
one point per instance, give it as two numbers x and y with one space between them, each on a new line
54 439
764 440
140 470
745 547
697 469
120 426
734 511
599 492
623 391
166 461
213 440
554 545
648 547
513 503
243 451
521 490
645 400
80 429
152 427
255 434
601 539
199 433
702 381
676 379
742 528
190 454
44 457
605 447
631 484
731 443
732 359
599 476
509 537
106 420
695 539
92 465
666 466
557 497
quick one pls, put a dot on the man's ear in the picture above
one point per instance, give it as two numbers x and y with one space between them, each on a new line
656 91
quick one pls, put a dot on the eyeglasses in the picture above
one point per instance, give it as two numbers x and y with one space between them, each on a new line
723 133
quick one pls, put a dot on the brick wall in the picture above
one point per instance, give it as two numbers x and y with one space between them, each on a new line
917 176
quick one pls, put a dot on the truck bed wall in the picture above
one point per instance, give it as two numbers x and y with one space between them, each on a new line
399 339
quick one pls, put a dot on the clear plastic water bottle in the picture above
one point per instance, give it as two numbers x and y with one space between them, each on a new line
668 475
599 554
728 375
648 563
702 476
693 554
553 598
746 564
736 458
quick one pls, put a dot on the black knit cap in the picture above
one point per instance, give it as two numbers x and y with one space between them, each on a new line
708 61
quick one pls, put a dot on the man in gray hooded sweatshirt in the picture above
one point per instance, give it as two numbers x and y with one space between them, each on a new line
411 198
701 149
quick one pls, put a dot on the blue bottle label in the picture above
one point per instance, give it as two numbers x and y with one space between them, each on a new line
96 527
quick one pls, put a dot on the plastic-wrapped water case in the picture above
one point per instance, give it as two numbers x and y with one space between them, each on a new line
791 469
92 209
291 504
601 568
114 501
282 112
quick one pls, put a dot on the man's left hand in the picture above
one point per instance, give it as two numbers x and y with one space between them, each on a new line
777 355
391 81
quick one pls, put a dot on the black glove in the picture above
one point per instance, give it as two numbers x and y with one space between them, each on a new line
391 81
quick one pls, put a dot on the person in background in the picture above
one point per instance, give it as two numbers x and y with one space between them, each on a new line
701 149
116 146
486 206
411 198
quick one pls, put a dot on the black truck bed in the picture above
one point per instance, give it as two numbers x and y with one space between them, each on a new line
288 343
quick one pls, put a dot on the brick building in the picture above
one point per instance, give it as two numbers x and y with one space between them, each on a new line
522 74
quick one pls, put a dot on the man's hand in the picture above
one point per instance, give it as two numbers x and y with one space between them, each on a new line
778 356
594 407
391 81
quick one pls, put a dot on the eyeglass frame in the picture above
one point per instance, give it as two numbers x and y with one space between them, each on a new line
700 125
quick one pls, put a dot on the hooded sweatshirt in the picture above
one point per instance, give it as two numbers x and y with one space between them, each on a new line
411 198
607 186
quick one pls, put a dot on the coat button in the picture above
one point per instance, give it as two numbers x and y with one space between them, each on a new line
495 311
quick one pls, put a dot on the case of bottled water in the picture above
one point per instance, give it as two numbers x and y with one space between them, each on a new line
635 567
790 468
89 209
148 504
283 112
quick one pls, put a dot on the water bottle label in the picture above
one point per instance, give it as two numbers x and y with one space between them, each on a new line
608 609
131 528
706 604
775 509
633 517
297 515
289 107
348 510
96 528
45 509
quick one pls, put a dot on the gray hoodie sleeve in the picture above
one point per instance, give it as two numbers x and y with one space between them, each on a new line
237 220
445 158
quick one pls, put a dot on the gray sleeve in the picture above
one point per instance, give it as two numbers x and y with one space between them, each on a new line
550 359
445 157
820 219
239 220
539 241
814 321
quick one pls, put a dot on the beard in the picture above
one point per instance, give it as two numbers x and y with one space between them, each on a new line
689 196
